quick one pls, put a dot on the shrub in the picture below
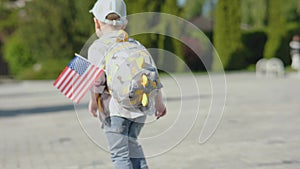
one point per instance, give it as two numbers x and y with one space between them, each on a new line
17 55
254 42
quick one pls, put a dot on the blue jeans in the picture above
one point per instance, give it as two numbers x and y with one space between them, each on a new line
122 134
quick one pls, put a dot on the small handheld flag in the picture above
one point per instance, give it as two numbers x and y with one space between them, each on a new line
77 78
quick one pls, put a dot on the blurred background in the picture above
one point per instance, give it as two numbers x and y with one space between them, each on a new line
38 38
260 125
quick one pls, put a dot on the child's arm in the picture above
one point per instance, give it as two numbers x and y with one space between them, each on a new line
97 88
93 106
159 105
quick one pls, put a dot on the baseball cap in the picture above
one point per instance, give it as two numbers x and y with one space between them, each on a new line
102 8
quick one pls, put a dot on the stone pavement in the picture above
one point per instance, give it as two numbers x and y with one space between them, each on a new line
41 129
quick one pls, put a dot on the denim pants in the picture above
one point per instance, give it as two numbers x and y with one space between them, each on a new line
121 134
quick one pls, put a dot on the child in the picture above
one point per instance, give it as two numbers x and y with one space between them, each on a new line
121 126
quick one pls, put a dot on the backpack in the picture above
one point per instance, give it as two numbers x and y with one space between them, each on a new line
132 77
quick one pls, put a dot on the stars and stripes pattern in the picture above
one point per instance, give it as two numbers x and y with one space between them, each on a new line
77 78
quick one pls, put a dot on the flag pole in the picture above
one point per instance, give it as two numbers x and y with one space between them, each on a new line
76 54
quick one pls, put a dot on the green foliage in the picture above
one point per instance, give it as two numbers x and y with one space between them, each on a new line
279 17
53 29
44 70
254 42
162 24
168 43
8 24
192 8
8 20
138 6
41 38
56 29
23 65
49 31
259 13
17 54
254 13
275 29
227 33
290 10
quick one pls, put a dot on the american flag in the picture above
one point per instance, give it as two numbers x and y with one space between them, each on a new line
77 78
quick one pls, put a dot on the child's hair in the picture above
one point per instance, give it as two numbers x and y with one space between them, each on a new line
113 16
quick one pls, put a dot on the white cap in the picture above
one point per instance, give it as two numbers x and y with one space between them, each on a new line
104 7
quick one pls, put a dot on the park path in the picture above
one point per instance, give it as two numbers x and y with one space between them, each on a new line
41 129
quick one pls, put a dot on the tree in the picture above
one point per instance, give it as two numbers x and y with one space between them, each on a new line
254 13
298 8
227 33
137 25
8 19
8 25
161 24
169 43
49 33
276 30
192 8
290 11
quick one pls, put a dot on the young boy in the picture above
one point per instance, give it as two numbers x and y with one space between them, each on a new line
121 126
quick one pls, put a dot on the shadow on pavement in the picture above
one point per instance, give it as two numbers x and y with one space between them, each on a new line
69 107
38 110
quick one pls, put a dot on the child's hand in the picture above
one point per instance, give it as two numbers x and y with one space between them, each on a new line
93 107
160 114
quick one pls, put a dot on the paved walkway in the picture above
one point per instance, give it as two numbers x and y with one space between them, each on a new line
41 129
